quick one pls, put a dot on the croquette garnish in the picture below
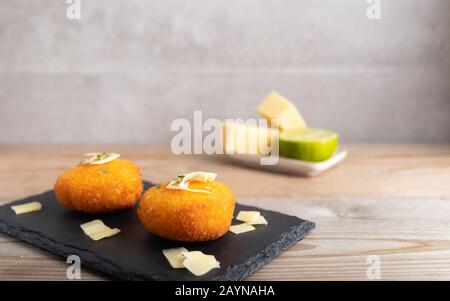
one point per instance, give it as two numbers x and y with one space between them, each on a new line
178 179
99 158
182 181
102 171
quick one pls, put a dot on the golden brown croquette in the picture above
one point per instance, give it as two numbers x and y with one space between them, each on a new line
187 216
103 188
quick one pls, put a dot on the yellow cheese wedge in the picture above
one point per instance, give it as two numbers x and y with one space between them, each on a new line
198 263
175 257
281 112
27 208
248 216
97 230
241 228
242 139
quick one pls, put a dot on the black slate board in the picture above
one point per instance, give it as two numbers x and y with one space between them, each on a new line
135 254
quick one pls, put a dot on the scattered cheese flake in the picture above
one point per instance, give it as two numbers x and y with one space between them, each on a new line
259 221
93 226
248 216
175 257
27 208
198 263
241 228
104 233
97 230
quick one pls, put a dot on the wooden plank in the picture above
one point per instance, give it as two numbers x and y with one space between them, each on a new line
407 170
386 200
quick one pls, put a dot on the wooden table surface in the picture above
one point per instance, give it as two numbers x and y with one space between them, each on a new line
391 201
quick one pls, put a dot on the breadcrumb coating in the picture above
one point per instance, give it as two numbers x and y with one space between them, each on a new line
104 188
182 215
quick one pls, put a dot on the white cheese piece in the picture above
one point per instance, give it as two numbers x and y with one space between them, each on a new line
175 257
198 263
248 216
241 228
200 176
244 139
185 187
93 226
259 221
104 233
27 208
182 181
97 230
99 158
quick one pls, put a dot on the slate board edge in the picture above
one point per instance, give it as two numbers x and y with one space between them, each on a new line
288 238
233 273
38 240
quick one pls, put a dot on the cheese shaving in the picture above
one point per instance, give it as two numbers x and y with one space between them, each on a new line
198 263
248 216
241 228
175 257
99 158
27 208
182 181
97 230
259 221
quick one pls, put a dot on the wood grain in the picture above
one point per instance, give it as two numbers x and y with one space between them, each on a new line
387 200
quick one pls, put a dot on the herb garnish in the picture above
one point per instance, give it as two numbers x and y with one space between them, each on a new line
178 179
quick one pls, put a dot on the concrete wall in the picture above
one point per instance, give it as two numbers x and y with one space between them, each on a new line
128 68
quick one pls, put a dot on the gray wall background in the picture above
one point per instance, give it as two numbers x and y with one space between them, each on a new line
128 68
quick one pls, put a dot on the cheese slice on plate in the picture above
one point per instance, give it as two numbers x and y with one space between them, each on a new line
27 208
175 257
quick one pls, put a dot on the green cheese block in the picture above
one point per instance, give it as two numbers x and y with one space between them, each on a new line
312 145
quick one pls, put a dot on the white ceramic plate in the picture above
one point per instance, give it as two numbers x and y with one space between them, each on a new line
291 166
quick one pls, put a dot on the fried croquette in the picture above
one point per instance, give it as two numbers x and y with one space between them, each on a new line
187 216
102 188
